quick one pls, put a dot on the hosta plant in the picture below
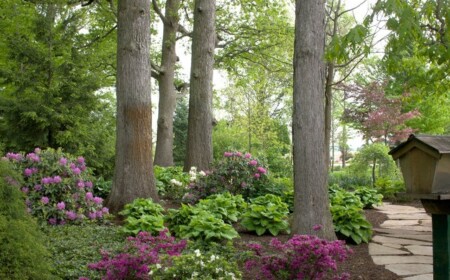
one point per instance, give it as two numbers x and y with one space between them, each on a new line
369 197
58 187
143 215
349 222
266 213
224 206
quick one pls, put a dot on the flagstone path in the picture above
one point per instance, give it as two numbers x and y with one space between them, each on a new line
403 243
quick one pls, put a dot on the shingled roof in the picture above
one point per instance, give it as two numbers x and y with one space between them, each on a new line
441 144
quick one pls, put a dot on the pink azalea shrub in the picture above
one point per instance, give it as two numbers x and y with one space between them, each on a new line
301 257
138 254
58 187
237 173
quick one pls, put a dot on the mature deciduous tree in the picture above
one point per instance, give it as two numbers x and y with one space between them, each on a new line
199 146
311 204
133 176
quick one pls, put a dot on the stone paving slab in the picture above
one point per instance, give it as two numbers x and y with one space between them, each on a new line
393 240
413 228
421 237
410 269
420 250
398 231
398 209
420 277
384 260
414 216
377 249
400 223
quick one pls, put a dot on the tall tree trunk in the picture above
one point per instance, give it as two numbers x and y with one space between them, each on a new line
328 109
133 176
199 146
167 94
311 203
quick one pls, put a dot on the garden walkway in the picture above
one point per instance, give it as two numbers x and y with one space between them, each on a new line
403 243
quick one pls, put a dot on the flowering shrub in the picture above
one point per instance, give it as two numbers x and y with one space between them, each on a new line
301 257
58 187
143 215
266 213
171 182
137 255
236 173
196 266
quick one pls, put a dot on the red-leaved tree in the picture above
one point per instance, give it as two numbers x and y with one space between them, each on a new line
377 116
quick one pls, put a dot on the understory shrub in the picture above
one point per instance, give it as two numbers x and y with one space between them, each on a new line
196 265
236 173
389 187
143 215
301 257
58 187
137 255
347 180
171 182
266 213
23 254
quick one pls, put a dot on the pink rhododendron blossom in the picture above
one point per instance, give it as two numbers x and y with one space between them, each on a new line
57 180
28 172
92 215
37 188
46 180
25 190
80 184
89 196
247 155
37 150
76 171
227 154
71 215
105 210
261 170
45 200
88 184
253 162
99 214
238 154
257 175
52 221
62 161
80 160
98 200
61 205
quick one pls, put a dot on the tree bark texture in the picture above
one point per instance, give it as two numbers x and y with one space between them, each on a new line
133 176
167 93
311 203
199 146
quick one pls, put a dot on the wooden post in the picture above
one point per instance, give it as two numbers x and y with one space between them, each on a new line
441 246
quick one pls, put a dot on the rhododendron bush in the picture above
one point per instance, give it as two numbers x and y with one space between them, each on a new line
58 187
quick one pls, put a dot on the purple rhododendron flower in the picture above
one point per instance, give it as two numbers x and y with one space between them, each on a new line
80 184
257 175
45 200
89 196
33 157
57 180
62 161
61 205
25 190
238 154
99 214
52 221
253 162
28 172
262 170
37 188
92 215
46 180
71 215
247 155
80 160
227 154
76 171
37 150
88 184
105 210
98 200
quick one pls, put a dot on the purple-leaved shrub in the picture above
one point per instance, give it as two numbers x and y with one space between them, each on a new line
138 254
301 257
58 187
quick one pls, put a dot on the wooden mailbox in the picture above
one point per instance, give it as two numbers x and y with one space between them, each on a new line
425 164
